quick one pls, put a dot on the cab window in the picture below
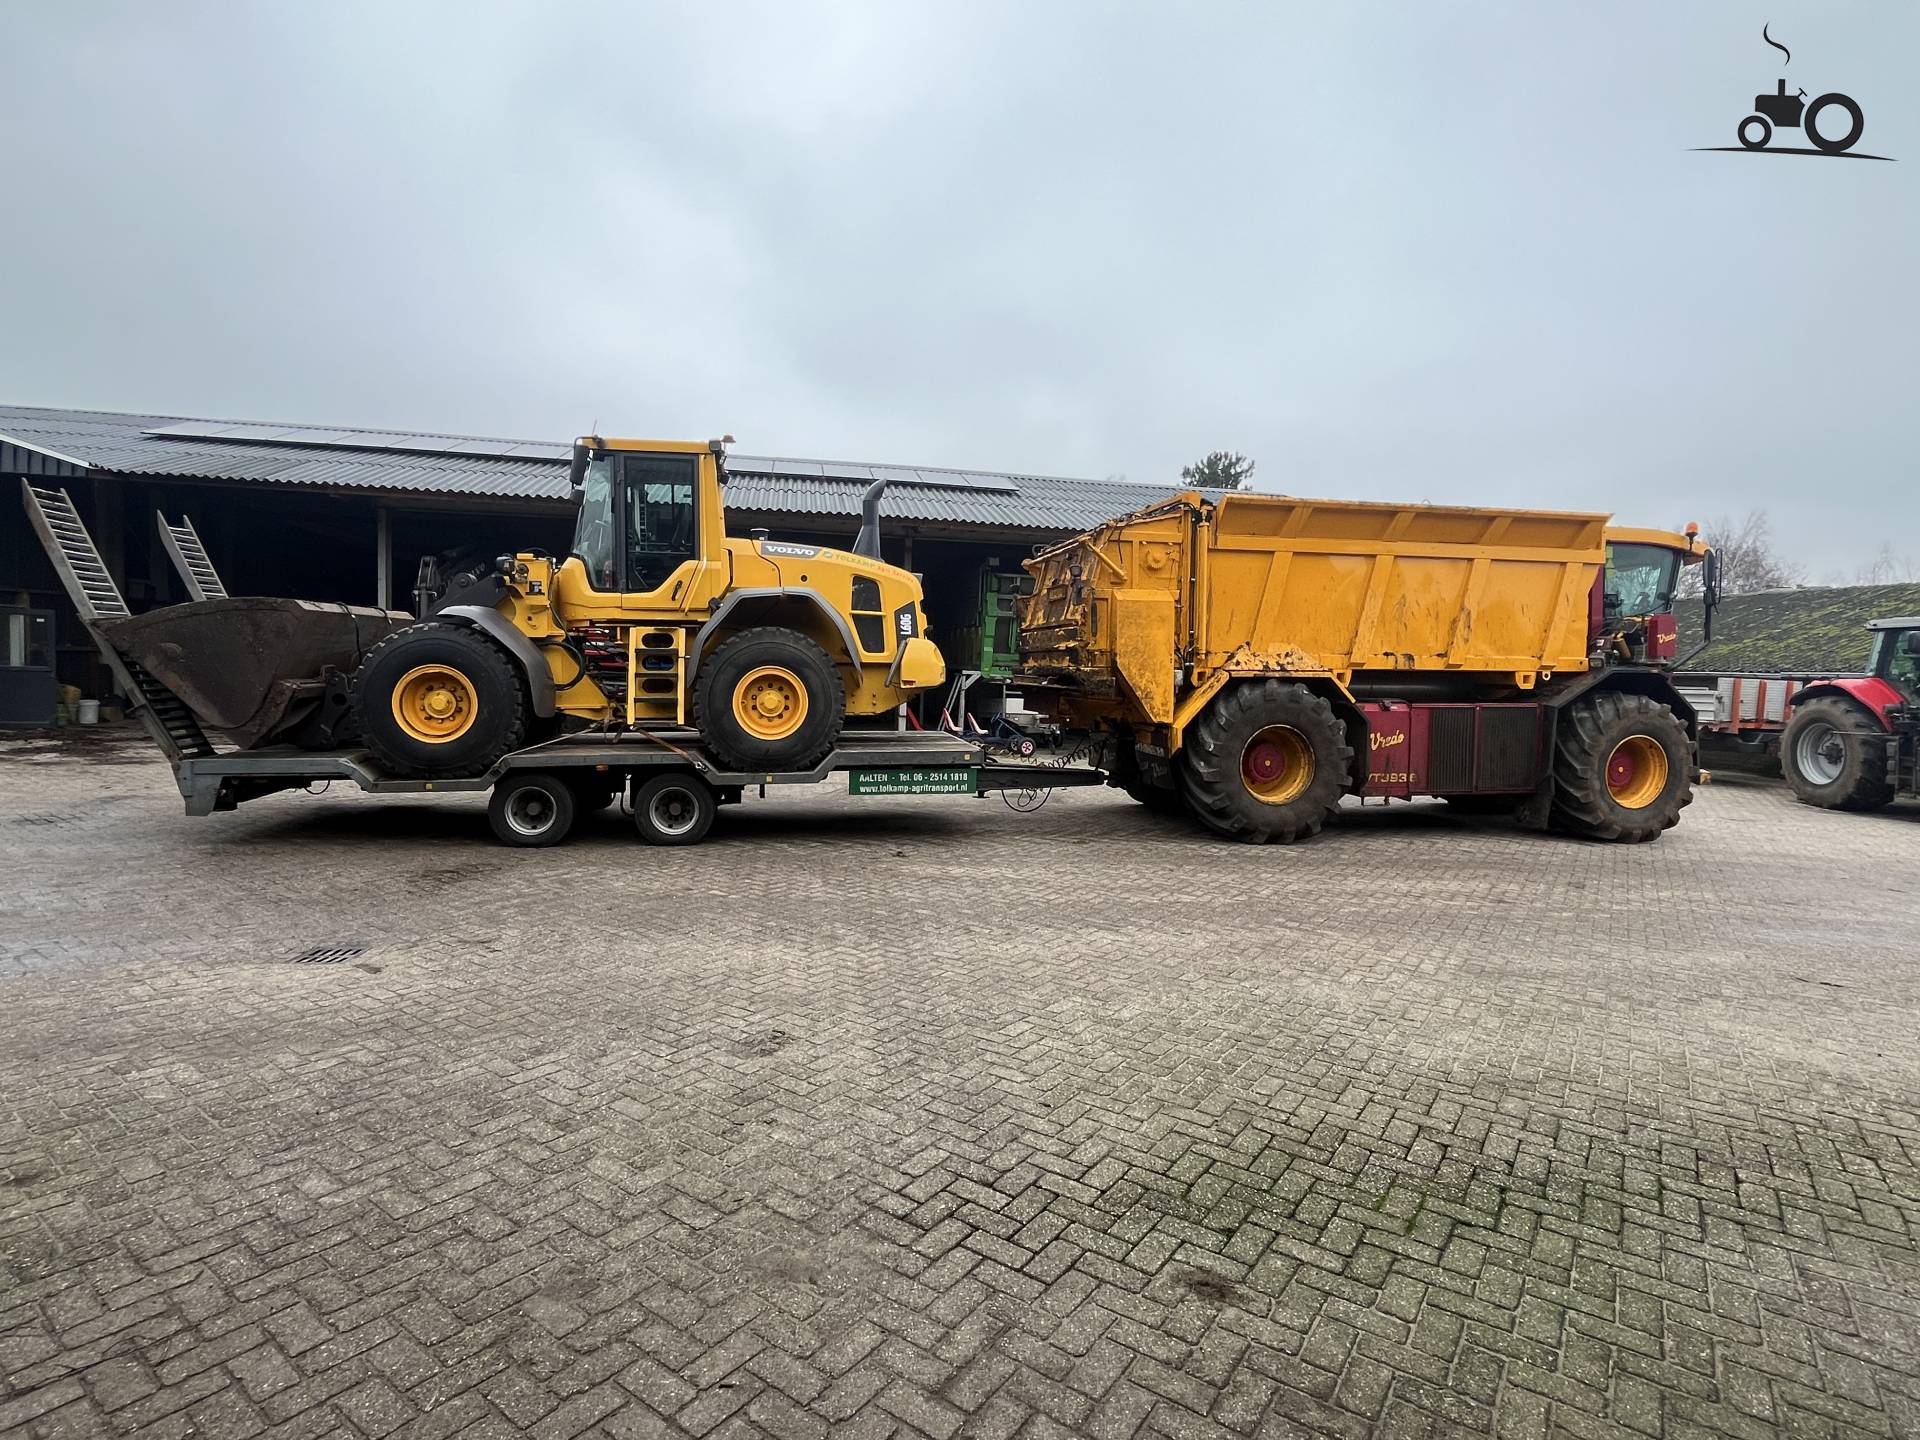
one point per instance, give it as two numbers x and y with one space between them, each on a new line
658 515
1896 658
1640 579
593 532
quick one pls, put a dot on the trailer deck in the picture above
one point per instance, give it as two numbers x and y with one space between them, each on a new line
535 790
205 780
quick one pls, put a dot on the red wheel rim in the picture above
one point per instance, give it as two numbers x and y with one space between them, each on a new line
1277 765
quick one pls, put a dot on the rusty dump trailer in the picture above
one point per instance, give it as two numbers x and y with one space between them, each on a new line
1257 658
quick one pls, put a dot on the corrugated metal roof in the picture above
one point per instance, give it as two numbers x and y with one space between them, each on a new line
757 484
1815 630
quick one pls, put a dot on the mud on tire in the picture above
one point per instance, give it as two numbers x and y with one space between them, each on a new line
1622 768
1266 761
769 699
439 700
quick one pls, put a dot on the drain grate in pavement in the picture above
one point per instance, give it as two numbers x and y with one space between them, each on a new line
329 955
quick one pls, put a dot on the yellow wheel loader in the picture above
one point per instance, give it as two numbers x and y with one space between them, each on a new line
657 618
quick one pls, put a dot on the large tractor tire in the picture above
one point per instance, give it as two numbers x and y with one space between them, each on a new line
1622 768
440 700
1266 761
1834 755
1134 783
769 700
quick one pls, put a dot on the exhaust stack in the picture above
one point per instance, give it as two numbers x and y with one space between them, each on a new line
867 543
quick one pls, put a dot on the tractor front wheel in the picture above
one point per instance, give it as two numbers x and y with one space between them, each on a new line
768 700
1834 755
439 700
1622 768
1266 761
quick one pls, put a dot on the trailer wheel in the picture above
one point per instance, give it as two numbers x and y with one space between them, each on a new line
531 809
1834 755
439 700
1622 768
1266 761
769 699
673 809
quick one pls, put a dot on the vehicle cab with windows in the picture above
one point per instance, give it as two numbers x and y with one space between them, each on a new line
644 621
1632 615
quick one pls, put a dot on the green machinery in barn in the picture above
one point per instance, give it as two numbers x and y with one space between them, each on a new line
988 643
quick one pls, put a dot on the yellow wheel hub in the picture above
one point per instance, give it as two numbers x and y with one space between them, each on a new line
770 703
1637 772
1277 765
435 704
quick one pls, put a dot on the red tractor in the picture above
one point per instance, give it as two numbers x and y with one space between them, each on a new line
1855 744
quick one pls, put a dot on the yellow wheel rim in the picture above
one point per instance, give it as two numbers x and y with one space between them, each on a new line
1636 772
435 704
770 703
1277 765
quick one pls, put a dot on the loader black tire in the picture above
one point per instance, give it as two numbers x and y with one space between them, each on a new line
1846 741
1266 761
1622 768
393 699
770 662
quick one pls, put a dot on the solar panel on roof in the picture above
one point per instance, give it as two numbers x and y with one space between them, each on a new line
394 441
855 473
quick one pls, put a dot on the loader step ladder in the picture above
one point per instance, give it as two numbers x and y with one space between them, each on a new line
190 558
90 586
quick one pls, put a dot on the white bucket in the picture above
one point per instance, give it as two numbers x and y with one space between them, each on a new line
89 712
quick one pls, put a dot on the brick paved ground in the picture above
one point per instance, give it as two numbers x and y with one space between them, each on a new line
917 1116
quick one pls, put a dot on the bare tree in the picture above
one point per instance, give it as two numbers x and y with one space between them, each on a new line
1748 561
1887 568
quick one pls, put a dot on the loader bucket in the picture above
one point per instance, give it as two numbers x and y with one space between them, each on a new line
250 668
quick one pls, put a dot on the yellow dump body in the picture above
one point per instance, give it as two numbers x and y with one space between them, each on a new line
1141 620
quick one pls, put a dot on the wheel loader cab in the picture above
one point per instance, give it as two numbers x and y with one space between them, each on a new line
650 537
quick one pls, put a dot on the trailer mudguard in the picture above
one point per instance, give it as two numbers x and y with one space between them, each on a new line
525 653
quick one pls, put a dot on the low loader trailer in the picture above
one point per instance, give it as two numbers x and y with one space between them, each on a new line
536 795
279 681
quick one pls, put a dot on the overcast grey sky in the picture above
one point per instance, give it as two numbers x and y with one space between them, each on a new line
1392 251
